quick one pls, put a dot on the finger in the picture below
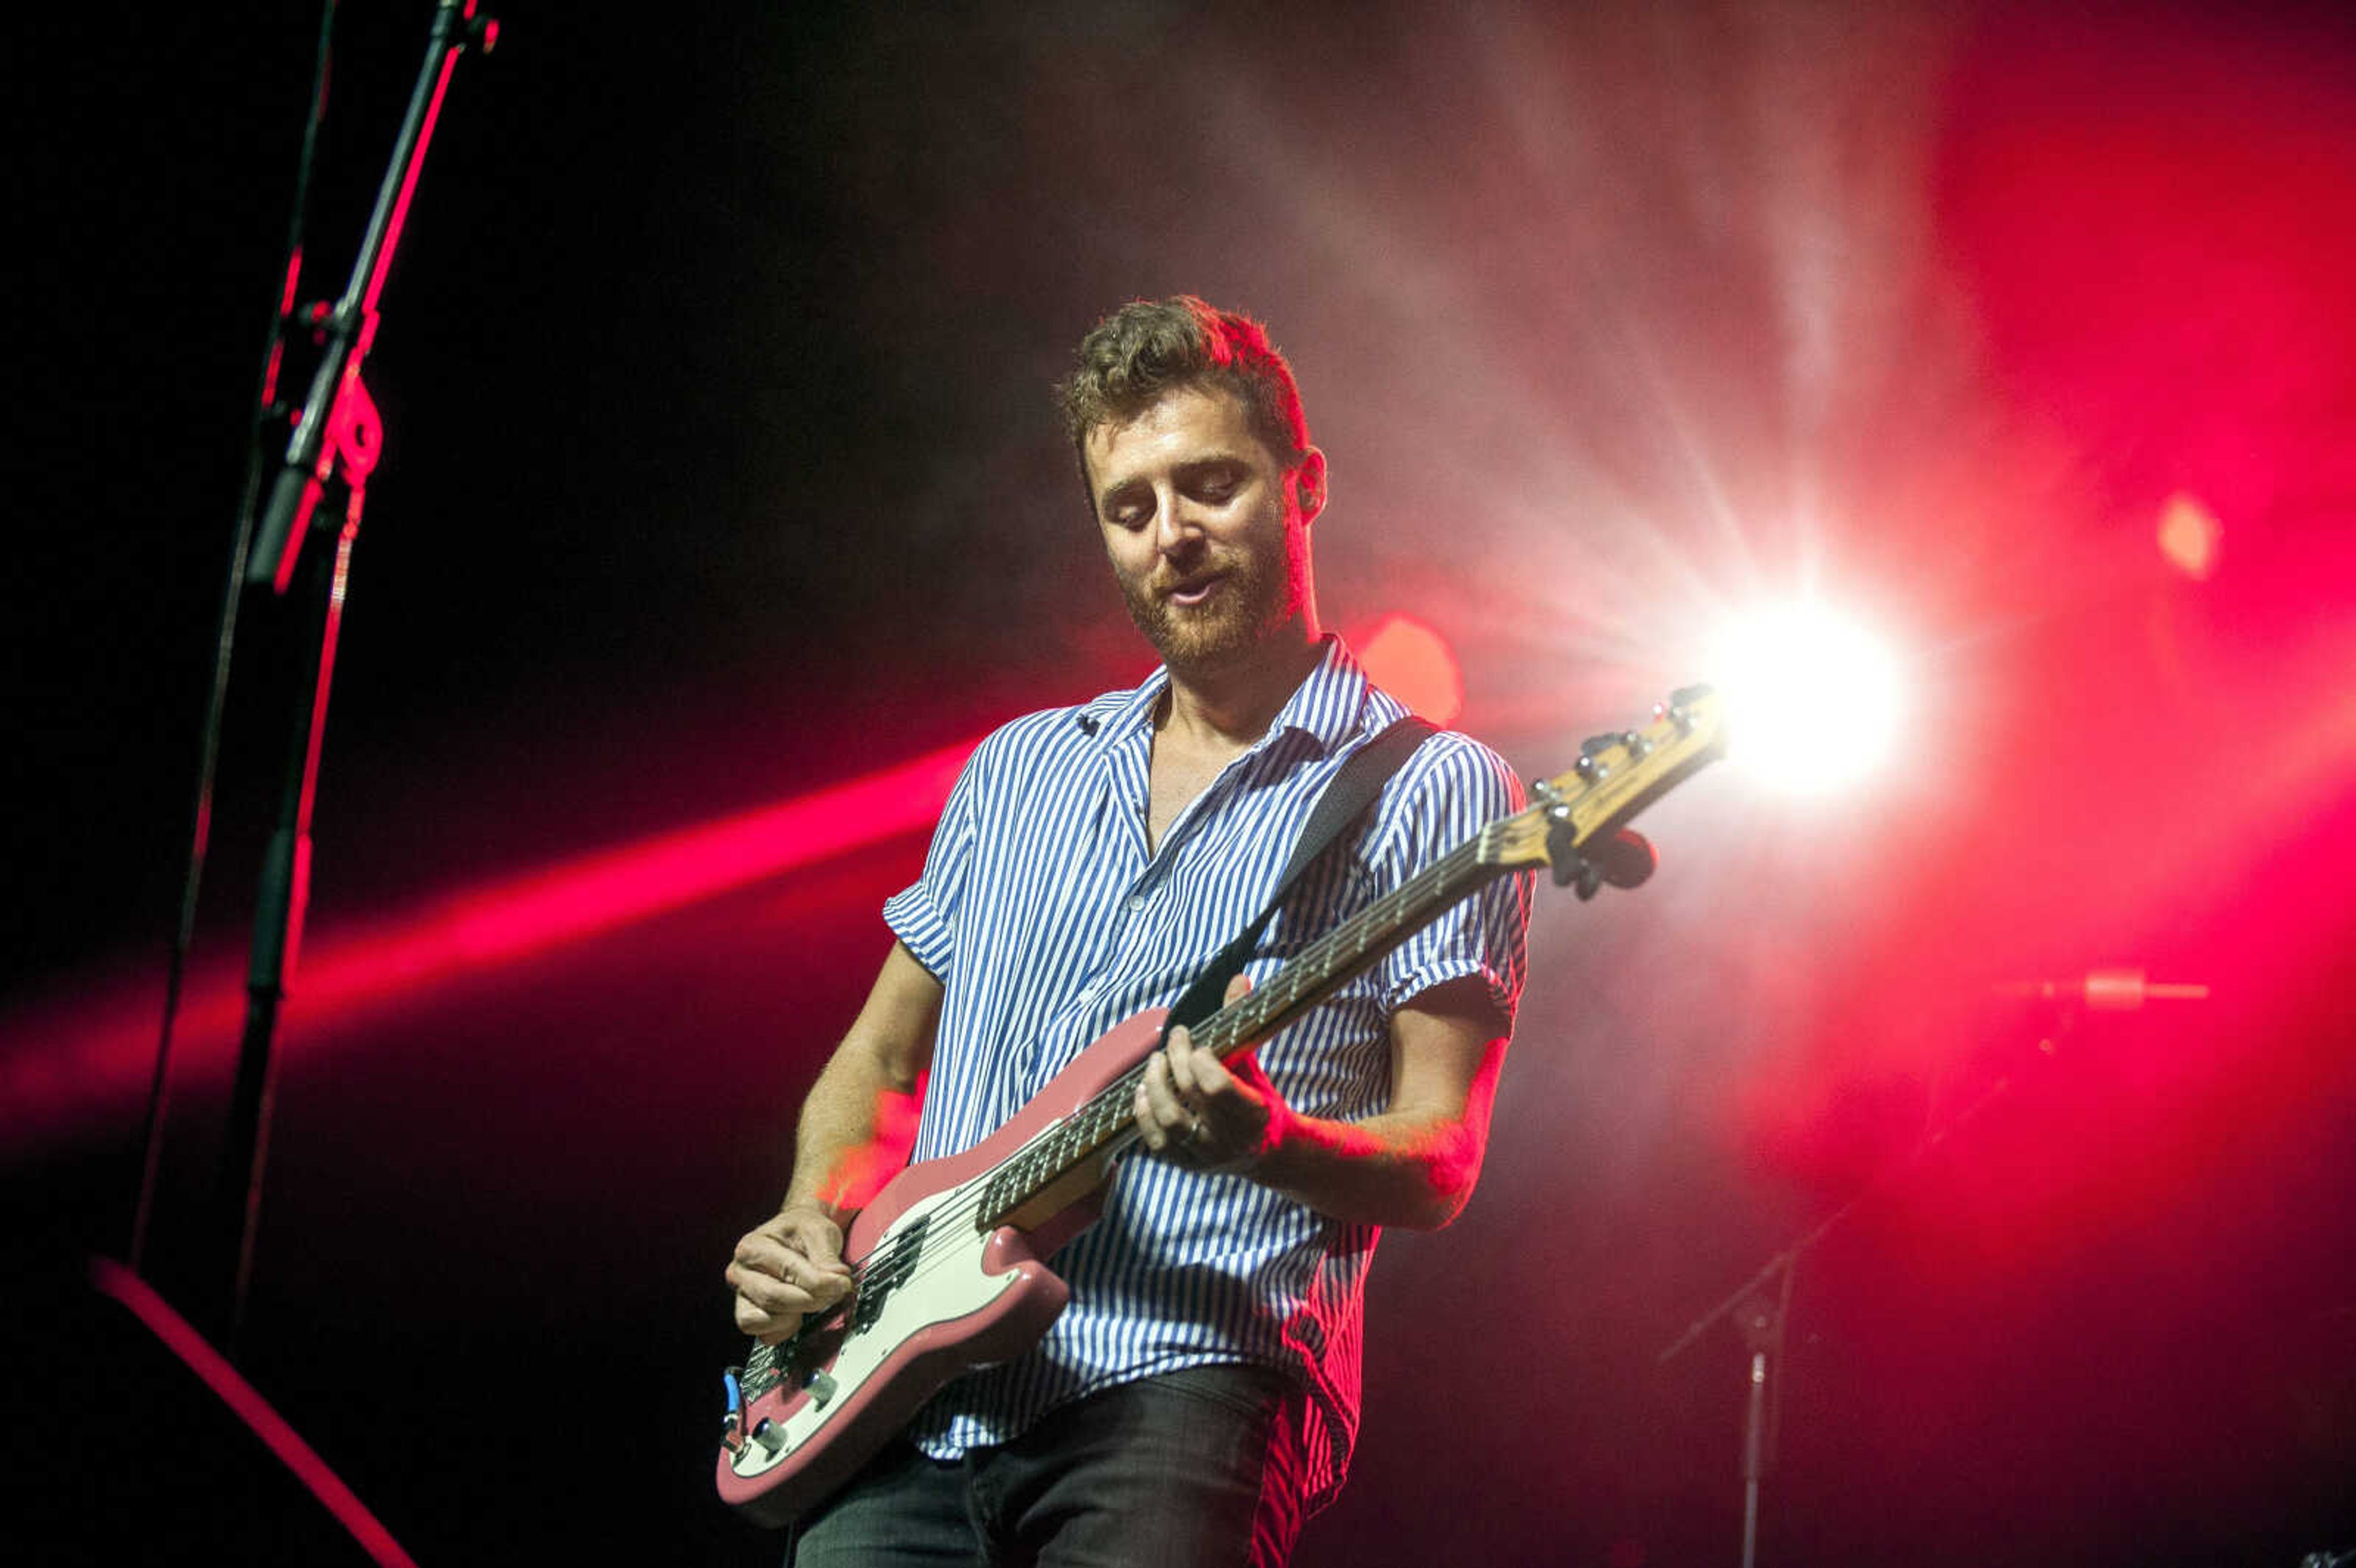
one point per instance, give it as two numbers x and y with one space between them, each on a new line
761 1253
1148 1125
1194 1073
1238 988
795 1287
822 1254
761 1303
1161 1117
1206 1077
772 1297
752 1320
828 1285
766 1327
1167 1098
808 1233
820 1284
766 1254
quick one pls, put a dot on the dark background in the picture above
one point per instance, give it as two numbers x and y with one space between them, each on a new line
721 469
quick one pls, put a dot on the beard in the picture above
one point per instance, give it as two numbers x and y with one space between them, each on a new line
1256 596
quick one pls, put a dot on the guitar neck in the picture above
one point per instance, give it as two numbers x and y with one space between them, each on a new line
1104 1127
1618 775
1344 952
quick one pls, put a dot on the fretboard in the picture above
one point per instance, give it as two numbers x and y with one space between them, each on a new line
1105 1124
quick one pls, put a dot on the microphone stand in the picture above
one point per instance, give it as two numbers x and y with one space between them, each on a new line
336 441
1762 1323
1761 1306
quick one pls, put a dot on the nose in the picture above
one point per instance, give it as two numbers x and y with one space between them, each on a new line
1177 531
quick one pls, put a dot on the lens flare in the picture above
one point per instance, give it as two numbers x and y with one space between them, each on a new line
1815 700
1414 663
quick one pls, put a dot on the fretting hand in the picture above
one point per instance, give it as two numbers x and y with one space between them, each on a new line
1197 1110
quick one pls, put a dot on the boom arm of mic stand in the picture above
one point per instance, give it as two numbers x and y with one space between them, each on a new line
1789 1256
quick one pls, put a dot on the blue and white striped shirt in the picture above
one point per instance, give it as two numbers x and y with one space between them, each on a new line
1048 920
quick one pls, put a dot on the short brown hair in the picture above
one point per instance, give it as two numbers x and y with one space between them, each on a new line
1147 349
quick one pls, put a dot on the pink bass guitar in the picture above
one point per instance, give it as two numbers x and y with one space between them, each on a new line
946 1260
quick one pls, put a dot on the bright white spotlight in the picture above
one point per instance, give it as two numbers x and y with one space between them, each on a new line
1814 700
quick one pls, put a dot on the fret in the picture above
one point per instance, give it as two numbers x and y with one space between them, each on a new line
1618 775
1315 973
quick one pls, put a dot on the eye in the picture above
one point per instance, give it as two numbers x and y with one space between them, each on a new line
1217 484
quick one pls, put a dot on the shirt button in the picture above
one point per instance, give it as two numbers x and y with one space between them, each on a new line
1136 903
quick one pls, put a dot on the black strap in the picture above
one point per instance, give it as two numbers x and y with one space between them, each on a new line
1347 794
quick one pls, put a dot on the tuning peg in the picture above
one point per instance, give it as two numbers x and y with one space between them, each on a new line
1569 868
1679 709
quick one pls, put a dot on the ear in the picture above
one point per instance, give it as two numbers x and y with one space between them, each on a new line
1309 484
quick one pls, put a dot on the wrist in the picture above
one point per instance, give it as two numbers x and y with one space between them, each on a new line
833 1213
1280 1141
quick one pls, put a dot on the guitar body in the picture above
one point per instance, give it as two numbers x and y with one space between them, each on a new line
955 1298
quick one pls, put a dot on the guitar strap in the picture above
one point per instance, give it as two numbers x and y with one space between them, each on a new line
1347 796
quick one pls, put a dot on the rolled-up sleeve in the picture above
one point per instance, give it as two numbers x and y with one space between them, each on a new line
924 915
1449 790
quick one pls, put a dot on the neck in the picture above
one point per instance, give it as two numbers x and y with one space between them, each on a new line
1233 703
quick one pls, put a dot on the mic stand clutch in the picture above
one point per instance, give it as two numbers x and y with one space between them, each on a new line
349 331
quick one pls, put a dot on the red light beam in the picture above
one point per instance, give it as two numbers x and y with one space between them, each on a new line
93 1050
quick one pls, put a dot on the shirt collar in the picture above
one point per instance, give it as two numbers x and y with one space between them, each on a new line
1328 706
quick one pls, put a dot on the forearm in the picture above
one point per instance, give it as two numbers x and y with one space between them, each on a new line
791 1264
859 1121
854 1131
1390 1169
1413 1164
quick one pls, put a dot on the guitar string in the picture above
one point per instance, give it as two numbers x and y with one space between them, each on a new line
1390 915
1319 956
1386 919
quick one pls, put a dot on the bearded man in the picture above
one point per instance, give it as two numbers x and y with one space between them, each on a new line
1198 1398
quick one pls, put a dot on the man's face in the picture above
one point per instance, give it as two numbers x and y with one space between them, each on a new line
1207 530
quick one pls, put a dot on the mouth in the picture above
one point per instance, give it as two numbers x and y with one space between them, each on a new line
1190 594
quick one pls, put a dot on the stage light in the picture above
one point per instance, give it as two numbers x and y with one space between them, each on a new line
1414 664
1815 699
2190 535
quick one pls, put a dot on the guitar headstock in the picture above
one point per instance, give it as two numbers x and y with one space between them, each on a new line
1617 775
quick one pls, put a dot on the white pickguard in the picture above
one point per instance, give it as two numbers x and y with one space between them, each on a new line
946 1283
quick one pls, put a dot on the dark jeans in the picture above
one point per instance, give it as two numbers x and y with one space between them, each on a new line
1188 1469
